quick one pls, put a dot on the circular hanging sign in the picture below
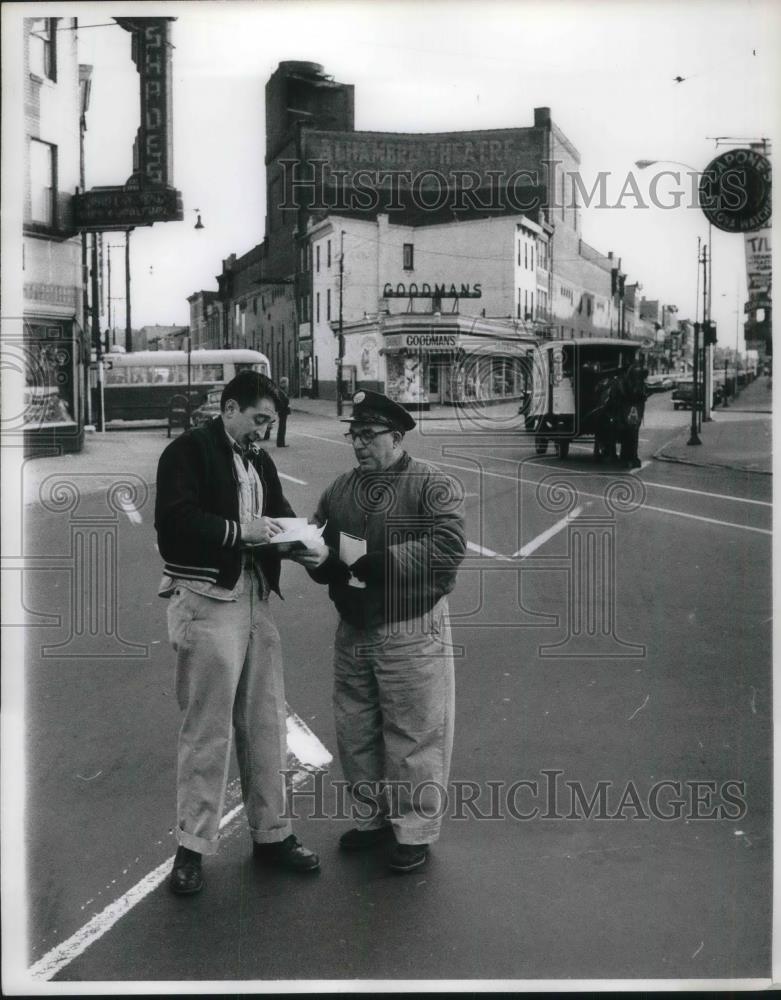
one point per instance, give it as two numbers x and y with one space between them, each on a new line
735 191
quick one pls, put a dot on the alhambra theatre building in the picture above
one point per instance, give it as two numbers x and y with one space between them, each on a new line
434 314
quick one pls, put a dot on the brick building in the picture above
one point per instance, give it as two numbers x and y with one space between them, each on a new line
56 91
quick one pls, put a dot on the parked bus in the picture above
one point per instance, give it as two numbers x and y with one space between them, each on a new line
140 385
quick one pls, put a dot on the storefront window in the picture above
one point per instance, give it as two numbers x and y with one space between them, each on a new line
49 375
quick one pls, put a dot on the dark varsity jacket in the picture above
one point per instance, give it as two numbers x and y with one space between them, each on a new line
197 508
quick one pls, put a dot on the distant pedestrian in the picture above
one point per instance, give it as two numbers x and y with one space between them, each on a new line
218 497
282 414
393 661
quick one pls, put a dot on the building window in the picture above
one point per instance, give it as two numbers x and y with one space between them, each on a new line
519 291
328 303
317 258
43 47
519 253
409 257
317 307
526 255
328 254
531 303
532 257
43 182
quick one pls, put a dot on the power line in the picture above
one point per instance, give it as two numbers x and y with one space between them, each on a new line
82 27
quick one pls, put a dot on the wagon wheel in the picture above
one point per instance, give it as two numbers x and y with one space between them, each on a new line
562 448
540 445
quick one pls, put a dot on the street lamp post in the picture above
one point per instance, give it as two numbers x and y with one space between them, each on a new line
693 437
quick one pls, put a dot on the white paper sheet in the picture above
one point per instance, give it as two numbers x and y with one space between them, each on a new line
350 549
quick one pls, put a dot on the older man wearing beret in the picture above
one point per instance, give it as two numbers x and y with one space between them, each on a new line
394 539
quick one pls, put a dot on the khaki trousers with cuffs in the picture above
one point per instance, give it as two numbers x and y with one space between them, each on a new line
228 680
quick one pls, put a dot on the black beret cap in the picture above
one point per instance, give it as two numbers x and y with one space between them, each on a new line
375 408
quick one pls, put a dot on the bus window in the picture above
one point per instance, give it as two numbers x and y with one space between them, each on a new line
161 375
212 373
262 368
116 376
137 374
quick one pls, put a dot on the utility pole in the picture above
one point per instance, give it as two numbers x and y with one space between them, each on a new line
109 331
693 437
128 327
340 355
96 329
705 406
707 349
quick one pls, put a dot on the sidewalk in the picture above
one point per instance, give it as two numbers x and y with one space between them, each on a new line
739 436
327 408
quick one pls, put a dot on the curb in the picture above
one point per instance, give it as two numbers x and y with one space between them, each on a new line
661 457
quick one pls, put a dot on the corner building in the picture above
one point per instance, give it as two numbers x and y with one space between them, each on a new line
318 168
56 92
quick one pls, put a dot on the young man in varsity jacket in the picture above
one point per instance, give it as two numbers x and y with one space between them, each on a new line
218 494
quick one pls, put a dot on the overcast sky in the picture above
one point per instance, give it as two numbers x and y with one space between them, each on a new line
606 70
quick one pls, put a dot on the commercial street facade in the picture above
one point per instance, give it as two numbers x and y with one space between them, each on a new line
496 208
53 343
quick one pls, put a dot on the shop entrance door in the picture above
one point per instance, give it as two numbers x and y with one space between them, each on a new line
436 381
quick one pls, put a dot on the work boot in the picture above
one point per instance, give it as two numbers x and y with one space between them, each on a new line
289 853
186 875
406 858
361 840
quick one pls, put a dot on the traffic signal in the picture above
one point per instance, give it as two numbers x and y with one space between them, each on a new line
709 328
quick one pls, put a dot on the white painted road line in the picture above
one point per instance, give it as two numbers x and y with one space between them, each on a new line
283 475
705 493
599 496
596 496
483 551
317 437
648 482
133 516
309 752
535 543
531 546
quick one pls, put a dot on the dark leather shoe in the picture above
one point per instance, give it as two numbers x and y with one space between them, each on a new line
408 857
289 853
186 875
361 840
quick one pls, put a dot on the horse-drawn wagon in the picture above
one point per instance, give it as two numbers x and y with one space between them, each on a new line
589 387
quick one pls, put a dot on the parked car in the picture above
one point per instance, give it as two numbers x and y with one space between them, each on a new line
208 409
659 383
683 395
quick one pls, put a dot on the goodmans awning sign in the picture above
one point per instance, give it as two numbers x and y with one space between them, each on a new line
432 342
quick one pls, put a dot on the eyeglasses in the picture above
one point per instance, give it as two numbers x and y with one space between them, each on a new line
365 436
262 420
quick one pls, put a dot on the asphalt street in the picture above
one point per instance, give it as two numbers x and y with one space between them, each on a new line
610 628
